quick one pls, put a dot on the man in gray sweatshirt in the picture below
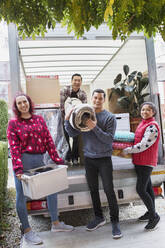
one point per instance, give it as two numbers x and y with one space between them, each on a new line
97 147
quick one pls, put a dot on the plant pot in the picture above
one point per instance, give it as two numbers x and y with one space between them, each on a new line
134 122
113 107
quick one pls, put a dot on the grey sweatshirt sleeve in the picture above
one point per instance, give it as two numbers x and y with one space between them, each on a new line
149 138
70 130
106 136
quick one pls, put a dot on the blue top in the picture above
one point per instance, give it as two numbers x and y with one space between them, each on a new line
97 143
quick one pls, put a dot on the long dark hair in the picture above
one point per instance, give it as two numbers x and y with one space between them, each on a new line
17 113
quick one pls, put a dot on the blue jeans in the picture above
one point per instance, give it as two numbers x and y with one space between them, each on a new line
103 167
31 161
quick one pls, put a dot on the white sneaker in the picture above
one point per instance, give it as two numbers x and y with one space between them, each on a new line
61 227
32 238
75 162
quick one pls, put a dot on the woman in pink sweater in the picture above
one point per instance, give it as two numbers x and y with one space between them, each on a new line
145 156
29 139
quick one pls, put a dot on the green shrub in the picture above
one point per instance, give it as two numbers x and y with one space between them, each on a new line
3 154
3 173
3 119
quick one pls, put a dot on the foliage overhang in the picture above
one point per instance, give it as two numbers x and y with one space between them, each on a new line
122 16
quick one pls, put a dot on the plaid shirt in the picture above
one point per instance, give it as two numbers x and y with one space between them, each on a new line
66 92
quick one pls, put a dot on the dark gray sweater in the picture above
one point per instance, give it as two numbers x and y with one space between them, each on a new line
97 143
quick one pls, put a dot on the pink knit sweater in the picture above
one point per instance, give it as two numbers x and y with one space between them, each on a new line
32 136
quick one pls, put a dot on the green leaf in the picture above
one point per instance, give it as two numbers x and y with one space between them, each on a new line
118 78
133 73
126 69
130 78
139 75
33 36
144 95
23 36
143 84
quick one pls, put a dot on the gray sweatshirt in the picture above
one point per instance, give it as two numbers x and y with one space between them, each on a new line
97 143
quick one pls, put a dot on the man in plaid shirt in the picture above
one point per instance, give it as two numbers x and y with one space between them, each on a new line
72 91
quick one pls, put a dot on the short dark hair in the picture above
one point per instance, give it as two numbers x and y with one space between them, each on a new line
152 106
78 75
99 91
17 113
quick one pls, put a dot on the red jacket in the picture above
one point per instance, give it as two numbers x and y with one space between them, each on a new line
150 155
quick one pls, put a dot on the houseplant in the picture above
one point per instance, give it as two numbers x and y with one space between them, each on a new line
131 92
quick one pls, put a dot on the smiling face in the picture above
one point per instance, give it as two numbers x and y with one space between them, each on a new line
147 112
97 101
22 104
76 83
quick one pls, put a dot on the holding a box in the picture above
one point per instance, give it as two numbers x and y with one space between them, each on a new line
29 140
44 181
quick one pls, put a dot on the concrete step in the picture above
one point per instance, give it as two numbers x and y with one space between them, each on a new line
134 236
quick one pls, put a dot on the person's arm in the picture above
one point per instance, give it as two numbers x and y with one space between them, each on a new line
50 146
15 148
149 138
62 100
84 97
107 135
70 130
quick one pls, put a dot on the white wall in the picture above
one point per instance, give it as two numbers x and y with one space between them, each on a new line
132 53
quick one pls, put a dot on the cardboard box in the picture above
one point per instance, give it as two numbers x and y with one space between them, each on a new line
123 122
43 89
37 184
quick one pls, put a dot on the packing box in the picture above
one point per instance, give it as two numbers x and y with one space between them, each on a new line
43 89
123 122
44 181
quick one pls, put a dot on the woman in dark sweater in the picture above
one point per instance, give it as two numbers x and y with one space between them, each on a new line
29 139
145 155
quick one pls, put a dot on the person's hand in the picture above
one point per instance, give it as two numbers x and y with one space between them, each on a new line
122 154
60 162
68 115
125 151
19 176
90 124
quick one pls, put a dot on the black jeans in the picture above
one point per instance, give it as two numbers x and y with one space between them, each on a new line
103 167
144 188
74 152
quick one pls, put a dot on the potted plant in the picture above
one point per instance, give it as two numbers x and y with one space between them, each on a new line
130 92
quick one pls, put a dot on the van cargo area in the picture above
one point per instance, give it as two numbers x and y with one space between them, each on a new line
52 60
77 195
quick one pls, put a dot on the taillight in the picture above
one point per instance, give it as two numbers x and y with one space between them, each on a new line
157 190
36 205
